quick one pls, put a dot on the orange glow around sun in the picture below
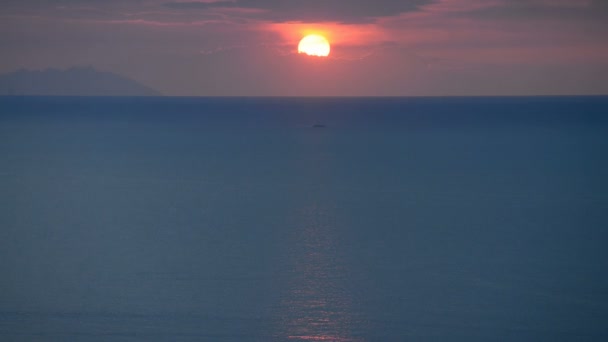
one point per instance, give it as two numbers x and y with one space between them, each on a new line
347 41
314 45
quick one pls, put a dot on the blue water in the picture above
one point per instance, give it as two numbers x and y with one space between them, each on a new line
193 219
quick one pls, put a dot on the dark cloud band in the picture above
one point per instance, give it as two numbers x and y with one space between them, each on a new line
312 10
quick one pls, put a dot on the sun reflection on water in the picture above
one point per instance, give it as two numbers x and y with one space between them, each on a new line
317 305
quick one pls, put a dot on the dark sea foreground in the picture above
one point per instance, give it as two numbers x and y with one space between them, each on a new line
413 219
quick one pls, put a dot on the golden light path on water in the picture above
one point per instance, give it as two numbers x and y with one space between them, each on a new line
316 304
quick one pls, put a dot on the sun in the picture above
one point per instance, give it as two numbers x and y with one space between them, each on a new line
314 45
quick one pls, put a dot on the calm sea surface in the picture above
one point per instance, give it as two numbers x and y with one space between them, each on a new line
414 219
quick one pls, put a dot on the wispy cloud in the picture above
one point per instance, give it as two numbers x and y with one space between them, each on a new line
353 11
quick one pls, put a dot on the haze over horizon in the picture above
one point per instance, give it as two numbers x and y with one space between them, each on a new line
379 48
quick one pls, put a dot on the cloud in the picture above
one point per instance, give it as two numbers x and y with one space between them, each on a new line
545 9
200 5
353 11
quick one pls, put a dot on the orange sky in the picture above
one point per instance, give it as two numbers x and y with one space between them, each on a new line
384 47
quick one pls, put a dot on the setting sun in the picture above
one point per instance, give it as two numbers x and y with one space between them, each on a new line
314 45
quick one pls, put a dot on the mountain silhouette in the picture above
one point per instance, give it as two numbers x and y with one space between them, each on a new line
76 81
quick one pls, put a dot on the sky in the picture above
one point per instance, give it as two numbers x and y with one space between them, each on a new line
379 47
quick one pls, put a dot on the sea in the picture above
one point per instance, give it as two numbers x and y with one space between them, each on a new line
304 219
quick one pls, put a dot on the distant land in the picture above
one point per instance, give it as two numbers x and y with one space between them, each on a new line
76 81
